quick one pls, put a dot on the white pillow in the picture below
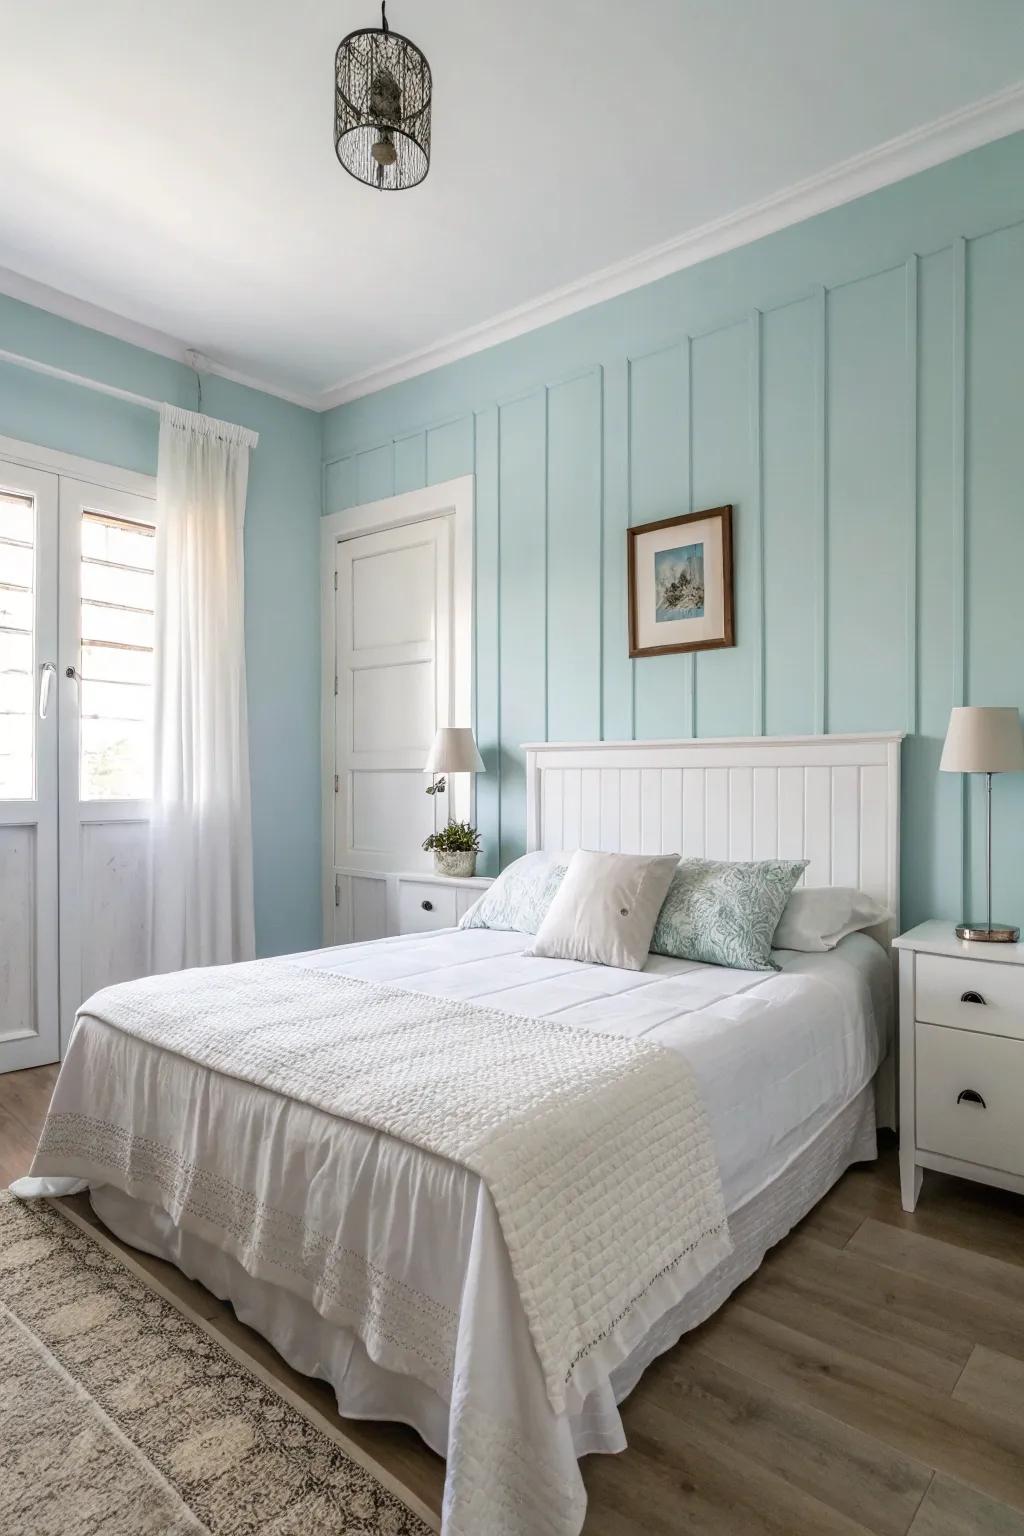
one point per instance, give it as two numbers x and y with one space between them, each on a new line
815 920
606 909
521 895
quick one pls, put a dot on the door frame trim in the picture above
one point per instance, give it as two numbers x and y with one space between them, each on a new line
455 498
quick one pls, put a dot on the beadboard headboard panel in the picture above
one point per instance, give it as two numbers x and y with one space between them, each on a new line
834 800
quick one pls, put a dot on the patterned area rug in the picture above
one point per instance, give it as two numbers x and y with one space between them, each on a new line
120 1415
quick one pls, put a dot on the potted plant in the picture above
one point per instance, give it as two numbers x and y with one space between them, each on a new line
454 848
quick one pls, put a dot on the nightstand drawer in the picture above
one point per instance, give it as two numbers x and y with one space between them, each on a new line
970 1096
422 907
946 986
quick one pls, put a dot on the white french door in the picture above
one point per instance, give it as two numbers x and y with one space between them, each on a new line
76 655
29 1033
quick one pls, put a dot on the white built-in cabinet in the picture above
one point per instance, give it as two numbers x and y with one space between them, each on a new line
397 584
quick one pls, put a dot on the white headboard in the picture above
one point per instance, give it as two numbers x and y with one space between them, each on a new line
834 800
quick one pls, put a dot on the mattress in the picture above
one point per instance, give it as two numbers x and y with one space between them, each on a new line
776 1054
211 1171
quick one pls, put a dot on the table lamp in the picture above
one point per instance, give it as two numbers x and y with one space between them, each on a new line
454 750
985 740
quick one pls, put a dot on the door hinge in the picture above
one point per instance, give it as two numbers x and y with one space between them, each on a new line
335 581
336 784
335 685
337 890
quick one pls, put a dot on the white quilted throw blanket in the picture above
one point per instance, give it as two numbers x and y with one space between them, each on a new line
596 1149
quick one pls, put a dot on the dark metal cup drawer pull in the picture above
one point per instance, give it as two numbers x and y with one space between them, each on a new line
970 1096
971 997
428 906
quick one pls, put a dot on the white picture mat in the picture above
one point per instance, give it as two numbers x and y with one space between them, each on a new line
649 631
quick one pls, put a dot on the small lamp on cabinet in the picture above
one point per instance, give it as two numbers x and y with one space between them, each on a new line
985 740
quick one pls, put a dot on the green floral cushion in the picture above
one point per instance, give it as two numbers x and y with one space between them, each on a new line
725 914
519 899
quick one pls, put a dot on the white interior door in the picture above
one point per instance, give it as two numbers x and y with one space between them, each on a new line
28 768
107 545
394 688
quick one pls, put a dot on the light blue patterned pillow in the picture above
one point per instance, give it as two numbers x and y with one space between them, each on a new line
725 914
518 900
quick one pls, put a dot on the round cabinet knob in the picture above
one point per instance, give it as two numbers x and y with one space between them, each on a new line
428 906
971 1096
971 997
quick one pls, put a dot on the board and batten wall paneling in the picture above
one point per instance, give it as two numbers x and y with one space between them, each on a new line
791 514
573 676
522 595
867 536
487 552
994 556
856 396
721 387
659 480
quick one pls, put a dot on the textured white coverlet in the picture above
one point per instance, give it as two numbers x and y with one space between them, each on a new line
383 1267
595 1147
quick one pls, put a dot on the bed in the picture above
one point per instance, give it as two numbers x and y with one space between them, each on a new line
383 1267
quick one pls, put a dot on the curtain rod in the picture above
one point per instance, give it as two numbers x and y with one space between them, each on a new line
35 366
129 396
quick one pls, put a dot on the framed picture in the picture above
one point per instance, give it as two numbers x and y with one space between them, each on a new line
680 583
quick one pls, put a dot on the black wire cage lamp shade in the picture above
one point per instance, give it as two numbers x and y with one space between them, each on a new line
382 108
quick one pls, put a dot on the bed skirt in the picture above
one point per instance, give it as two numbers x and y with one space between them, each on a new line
366 1390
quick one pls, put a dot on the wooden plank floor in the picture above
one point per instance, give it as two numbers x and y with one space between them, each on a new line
867 1381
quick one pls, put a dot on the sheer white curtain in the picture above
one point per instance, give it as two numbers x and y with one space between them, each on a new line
202 900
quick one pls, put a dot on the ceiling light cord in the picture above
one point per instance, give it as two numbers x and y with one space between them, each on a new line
383 18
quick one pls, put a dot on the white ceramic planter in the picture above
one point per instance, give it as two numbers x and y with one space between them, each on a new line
460 864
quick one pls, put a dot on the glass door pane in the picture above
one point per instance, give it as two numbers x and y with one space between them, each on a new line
116 658
17 648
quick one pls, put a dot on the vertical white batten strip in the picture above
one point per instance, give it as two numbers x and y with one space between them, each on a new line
960 549
688 375
757 518
821 480
913 507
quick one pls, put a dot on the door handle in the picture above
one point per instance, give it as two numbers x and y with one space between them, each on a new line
47 673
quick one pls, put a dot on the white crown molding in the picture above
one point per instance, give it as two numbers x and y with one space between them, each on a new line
993 117
41 296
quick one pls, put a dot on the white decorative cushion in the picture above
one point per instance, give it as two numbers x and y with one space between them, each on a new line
521 895
816 920
606 909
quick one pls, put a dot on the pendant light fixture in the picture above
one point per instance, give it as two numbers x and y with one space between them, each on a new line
382 108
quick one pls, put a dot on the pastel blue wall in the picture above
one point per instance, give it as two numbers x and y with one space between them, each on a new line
281 571
855 387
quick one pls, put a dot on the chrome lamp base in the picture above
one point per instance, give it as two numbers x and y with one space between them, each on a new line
989 933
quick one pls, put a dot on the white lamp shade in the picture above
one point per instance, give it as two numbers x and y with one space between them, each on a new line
983 740
454 751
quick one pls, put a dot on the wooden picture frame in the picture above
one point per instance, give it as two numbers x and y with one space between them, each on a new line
659 565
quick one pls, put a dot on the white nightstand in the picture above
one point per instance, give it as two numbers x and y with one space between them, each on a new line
961 1059
425 902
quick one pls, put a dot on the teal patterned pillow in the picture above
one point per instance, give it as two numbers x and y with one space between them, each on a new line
519 899
725 914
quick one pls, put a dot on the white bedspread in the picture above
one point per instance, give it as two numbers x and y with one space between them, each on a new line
428 1292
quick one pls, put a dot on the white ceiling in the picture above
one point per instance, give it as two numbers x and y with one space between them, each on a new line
175 164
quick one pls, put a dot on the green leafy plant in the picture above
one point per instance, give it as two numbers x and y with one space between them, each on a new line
456 837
